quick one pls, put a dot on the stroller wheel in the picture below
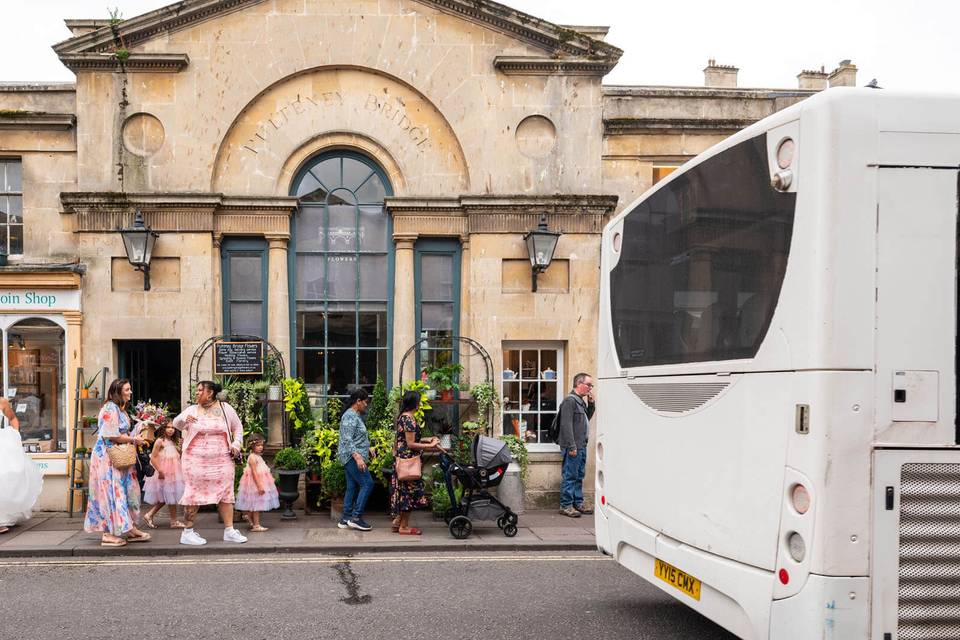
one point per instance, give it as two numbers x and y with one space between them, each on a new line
510 530
450 514
461 527
502 522
511 518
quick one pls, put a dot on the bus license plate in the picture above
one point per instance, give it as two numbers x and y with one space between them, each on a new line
677 579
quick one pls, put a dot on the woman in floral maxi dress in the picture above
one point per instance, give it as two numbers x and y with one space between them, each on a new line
408 495
113 506
212 436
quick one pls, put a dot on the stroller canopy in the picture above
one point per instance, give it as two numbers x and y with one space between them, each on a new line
490 452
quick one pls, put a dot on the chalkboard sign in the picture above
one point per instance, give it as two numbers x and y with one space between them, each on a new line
238 358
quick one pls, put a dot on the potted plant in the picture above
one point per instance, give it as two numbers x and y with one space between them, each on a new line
289 464
296 404
88 388
81 452
89 422
444 379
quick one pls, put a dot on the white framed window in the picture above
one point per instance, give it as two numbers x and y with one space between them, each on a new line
11 206
531 386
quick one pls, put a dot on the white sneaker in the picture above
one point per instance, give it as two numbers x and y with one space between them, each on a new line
232 535
189 536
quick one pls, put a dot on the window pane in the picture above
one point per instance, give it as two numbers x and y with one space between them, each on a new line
511 363
341 371
373 277
310 329
548 364
35 353
511 396
246 318
354 173
435 316
16 239
370 367
328 173
529 364
342 277
343 228
702 262
310 189
372 190
310 366
373 229
341 329
529 425
310 229
310 270
246 275
373 328
341 197
14 180
436 277
15 208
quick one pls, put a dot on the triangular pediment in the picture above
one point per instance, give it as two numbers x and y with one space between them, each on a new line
103 37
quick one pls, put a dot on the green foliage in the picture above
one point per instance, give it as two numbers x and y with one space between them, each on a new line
296 404
334 410
333 482
244 397
87 384
325 445
487 398
439 498
518 449
289 459
378 411
443 378
272 371
396 394
463 442
381 440
121 54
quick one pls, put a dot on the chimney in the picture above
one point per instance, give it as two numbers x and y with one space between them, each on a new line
719 75
845 75
815 80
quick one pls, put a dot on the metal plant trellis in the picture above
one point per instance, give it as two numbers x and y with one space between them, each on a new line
466 351
271 353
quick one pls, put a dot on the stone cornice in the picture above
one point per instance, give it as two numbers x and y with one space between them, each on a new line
540 33
37 120
134 63
631 91
535 66
41 276
650 126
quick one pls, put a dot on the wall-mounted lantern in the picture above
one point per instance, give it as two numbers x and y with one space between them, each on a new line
541 244
138 241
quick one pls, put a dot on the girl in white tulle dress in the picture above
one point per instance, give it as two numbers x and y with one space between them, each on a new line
258 491
166 485
20 479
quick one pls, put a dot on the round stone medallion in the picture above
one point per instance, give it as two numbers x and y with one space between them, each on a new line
536 136
143 134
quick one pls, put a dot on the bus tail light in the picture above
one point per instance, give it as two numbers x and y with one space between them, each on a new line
603 500
784 576
796 546
785 151
800 498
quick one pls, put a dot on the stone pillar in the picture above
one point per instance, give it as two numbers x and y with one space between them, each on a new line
217 287
477 373
278 321
73 360
404 311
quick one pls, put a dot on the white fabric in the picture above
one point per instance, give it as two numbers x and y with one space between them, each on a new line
20 480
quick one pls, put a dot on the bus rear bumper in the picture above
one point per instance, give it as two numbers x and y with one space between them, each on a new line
826 607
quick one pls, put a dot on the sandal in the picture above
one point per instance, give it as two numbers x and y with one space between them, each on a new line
149 521
4 529
410 531
259 529
119 542
176 524
144 538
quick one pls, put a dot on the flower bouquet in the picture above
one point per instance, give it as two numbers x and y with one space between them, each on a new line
150 417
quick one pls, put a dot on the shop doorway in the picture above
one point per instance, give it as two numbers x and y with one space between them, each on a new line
153 368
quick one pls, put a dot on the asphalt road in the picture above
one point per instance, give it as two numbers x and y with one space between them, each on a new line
488 596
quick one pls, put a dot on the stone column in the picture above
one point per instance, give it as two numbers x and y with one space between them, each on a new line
476 372
217 291
278 321
73 359
404 311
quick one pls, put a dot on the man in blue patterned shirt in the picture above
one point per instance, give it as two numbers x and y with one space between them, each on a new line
353 452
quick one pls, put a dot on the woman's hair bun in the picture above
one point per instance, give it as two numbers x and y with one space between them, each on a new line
221 395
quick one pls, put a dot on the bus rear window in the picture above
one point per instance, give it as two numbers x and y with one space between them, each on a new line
702 262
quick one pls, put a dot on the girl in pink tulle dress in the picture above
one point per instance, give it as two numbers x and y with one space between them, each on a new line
166 485
258 491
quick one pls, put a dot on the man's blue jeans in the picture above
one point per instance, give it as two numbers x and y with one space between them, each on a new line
571 483
359 486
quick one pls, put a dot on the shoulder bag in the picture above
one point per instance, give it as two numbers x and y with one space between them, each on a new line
409 469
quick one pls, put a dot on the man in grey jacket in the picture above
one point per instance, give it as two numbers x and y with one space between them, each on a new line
575 413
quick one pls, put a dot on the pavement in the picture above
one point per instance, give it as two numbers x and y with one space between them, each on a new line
56 535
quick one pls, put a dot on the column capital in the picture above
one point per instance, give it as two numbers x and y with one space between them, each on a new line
277 241
73 317
405 241
217 240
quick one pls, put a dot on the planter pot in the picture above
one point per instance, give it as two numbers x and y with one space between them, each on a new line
289 489
446 395
94 392
84 393
274 394
336 508
510 491
431 394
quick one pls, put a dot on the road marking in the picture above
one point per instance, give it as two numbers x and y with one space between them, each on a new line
158 561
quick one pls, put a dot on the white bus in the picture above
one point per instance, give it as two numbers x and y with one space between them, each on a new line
777 442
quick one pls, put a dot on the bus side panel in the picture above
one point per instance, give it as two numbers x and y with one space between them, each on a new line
916 306
713 479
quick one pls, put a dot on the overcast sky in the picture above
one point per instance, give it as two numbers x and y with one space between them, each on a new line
906 45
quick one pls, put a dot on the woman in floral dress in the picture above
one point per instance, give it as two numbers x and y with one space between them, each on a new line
408 495
114 499
212 436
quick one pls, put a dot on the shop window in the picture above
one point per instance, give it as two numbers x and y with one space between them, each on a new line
11 206
437 291
531 387
343 274
35 383
244 269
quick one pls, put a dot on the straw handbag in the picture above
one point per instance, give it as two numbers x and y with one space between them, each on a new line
122 456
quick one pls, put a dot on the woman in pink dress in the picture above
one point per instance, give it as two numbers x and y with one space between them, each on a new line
212 435
257 491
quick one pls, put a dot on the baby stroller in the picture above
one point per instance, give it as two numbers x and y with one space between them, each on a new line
490 460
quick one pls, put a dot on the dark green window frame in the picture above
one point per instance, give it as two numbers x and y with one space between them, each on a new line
444 247
237 247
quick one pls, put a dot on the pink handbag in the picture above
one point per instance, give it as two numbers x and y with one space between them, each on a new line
409 469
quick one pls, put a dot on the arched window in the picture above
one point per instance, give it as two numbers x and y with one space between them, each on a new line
35 382
343 274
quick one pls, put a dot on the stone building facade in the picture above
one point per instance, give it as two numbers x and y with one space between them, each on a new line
340 177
